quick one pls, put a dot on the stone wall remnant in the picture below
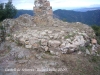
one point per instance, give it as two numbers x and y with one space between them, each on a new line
43 12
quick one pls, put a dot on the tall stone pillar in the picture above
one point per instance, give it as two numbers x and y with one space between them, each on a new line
43 12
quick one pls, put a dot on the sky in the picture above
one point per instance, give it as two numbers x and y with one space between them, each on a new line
56 4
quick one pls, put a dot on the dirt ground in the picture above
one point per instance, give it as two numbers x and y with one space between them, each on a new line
66 64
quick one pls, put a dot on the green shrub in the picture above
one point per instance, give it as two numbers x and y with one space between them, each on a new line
97 32
82 48
94 59
68 36
2 32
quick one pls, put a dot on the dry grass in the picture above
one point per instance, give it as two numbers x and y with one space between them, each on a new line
79 65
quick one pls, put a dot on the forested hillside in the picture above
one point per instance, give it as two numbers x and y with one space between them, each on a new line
89 17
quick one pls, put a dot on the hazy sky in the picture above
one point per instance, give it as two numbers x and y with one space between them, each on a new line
56 4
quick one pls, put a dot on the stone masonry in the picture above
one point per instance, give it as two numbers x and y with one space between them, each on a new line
43 12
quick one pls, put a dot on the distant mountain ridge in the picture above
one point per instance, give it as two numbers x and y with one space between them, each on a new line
87 9
91 17
21 12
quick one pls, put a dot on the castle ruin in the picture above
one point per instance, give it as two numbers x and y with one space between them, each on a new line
43 12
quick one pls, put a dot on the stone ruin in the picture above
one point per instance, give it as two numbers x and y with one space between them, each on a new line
55 36
29 48
43 12
42 8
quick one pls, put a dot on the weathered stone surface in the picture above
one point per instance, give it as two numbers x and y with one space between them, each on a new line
79 40
46 48
22 61
7 38
94 41
18 52
42 8
44 42
88 52
28 46
43 12
70 46
52 38
79 52
12 73
93 48
54 43
35 45
21 55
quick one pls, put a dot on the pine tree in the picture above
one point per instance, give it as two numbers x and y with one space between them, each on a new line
10 10
7 10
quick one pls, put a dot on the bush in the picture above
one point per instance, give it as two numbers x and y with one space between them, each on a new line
97 32
2 33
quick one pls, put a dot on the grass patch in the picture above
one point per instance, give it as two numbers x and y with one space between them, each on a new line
97 32
4 52
1 27
3 32
88 47
82 48
8 35
68 36
48 52
18 43
94 59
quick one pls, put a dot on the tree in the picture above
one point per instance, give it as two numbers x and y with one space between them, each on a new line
2 12
7 10
10 10
1 6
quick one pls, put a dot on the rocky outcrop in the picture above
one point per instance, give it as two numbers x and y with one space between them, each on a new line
19 52
21 22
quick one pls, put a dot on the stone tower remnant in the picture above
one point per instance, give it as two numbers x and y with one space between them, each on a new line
43 12
10 1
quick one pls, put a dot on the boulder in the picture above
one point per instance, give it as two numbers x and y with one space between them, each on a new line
88 52
35 45
44 42
94 41
54 43
7 38
19 52
46 48
79 40
28 46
